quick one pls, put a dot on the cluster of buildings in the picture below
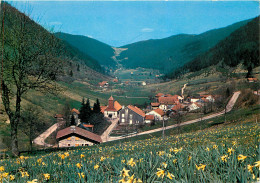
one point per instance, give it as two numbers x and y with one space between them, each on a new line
163 107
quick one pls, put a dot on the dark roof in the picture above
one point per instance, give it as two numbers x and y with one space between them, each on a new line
79 131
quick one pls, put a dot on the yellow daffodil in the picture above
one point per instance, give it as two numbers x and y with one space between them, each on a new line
102 158
257 164
189 158
250 168
39 160
215 147
230 150
124 173
241 157
160 172
201 166
207 149
2 168
25 174
12 177
33 181
82 156
96 166
131 162
62 156
122 180
122 161
224 158
79 165
174 161
5 174
170 176
46 176
164 165
66 154
81 175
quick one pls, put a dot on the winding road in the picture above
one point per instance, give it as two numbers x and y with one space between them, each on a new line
229 107
40 140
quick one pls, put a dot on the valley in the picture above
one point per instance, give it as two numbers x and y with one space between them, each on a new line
181 108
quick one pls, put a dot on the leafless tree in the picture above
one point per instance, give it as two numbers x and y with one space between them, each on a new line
31 60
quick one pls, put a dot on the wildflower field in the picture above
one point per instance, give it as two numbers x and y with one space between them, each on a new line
224 154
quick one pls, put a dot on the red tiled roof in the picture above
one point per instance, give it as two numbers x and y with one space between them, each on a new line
111 98
177 107
197 104
206 96
159 94
149 117
75 110
115 80
168 95
58 116
102 83
136 110
103 108
79 131
159 111
117 106
168 100
252 79
88 125
155 104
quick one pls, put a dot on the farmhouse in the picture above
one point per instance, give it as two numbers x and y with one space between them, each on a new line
103 84
113 108
74 136
157 113
165 102
194 106
210 98
131 115
149 118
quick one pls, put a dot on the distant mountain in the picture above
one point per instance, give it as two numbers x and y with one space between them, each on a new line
242 46
102 52
173 52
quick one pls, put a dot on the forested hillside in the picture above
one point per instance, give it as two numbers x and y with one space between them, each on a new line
173 52
242 46
96 49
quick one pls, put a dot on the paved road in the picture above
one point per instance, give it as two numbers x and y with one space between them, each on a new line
105 135
40 140
229 107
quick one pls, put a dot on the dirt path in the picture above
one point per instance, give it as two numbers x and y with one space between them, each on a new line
229 107
40 140
105 135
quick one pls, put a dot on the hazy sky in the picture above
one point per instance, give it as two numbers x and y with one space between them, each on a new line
119 23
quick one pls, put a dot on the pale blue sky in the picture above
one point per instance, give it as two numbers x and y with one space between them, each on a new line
119 23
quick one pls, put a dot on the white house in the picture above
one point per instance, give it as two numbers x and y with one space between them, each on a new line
113 108
193 106
158 114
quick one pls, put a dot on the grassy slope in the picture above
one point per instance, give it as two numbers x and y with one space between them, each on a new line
199 146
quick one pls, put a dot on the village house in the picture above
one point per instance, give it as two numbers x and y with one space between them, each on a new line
252 80
155 105
167 102
157 113
149 119
74 136
210 98
113 108
103 84
177 108
194 106
131 115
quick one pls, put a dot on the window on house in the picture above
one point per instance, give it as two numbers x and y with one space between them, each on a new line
77 138
69 138
77 145
123 115
68 145
131 116
123 120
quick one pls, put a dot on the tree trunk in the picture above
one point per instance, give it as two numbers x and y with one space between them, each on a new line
14 140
